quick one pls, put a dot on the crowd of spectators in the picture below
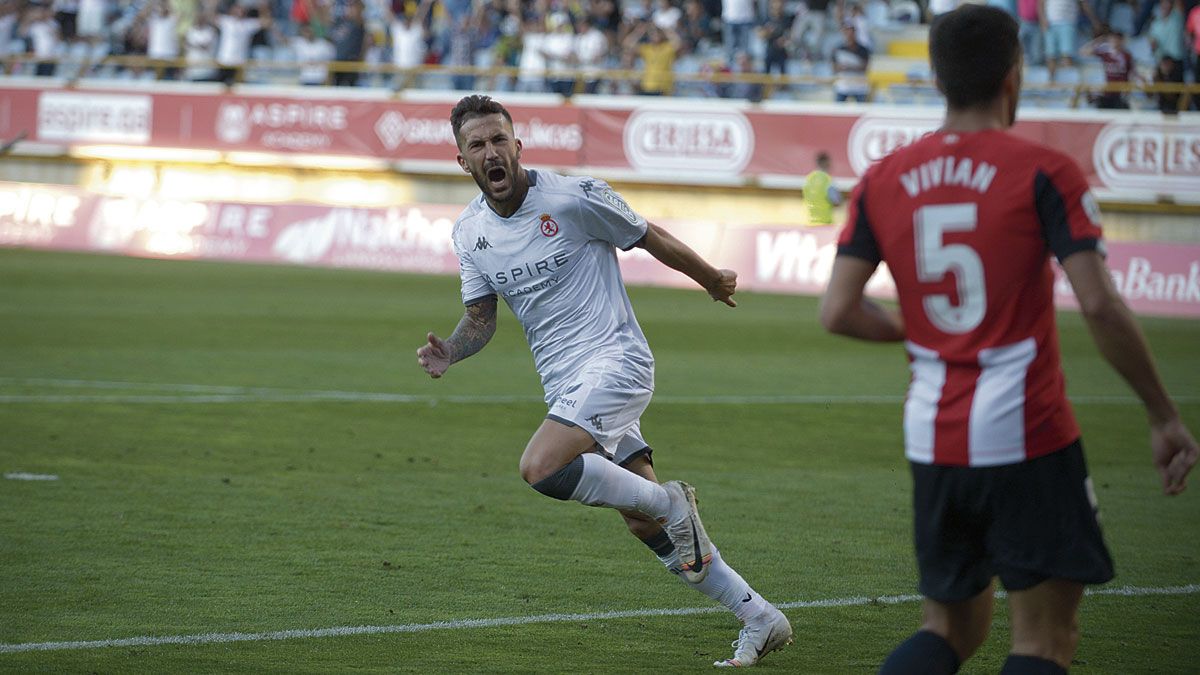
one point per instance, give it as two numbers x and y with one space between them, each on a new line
563 45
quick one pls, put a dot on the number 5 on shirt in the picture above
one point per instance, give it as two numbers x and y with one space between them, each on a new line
936 259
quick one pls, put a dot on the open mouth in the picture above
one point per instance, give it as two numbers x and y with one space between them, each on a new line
496 176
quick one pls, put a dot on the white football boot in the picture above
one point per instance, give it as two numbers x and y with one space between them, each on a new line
761 635
686 532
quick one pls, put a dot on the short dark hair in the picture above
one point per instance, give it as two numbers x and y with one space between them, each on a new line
475 105
972 49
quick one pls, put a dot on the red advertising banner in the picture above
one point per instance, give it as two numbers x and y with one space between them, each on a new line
411 238
1155 279
1131 156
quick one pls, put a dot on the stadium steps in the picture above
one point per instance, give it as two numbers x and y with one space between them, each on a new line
902 58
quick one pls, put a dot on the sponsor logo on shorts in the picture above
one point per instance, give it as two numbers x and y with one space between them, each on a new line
568 402
595 421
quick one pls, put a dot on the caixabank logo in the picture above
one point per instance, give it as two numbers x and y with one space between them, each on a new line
675 140
1161 158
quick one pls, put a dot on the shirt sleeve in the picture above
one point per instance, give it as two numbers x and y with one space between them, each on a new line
857 239
475 285
606 216
1069 214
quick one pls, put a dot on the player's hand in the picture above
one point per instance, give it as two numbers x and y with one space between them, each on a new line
723 287
434 356
1175 453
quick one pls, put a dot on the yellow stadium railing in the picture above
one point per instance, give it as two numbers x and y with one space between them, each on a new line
763 87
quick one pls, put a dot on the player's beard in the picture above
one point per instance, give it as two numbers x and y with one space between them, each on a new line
502 190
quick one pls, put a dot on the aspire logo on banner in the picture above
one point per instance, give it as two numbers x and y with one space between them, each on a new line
297 125
720 142
874 137
1163 158
33 214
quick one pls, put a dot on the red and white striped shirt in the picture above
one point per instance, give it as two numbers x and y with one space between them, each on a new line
965 223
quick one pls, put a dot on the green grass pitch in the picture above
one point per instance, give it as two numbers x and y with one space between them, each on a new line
180 510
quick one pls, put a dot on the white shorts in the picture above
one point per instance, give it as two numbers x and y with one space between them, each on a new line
607 404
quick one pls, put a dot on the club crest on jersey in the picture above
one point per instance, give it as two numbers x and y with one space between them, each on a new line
614 200
549 225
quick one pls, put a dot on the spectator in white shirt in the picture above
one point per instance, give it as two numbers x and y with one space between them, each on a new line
591 52
236 31
42 32
531 69
409 35
666 15
200 49
162 37
558 48
313 54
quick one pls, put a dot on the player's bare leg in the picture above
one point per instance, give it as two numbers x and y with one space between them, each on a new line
765 627
950 633
1045 626
558 462
553 446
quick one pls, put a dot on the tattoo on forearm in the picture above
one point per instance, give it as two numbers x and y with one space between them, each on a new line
474 330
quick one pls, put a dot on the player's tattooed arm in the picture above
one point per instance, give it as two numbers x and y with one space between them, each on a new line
473 332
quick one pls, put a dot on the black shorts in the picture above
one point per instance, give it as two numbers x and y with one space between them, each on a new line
1025 522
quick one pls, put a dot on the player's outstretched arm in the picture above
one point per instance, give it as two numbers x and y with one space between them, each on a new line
1122 344
845 311
474 330
677 255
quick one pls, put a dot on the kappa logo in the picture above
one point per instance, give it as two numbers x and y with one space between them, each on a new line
587 185
482 244
549 225
595 421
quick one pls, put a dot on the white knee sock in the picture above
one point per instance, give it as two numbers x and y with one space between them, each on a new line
724 585
606 484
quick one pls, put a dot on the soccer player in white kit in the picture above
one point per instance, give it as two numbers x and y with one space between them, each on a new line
546 244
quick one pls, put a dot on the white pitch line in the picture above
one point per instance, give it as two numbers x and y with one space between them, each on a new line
460 624
379 397
204 393
24 475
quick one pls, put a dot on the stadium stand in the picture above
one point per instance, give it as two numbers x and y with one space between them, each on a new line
468 43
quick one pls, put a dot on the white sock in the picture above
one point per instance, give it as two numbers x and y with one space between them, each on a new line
606 484
724 585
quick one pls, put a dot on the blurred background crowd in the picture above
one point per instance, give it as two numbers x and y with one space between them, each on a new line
565 45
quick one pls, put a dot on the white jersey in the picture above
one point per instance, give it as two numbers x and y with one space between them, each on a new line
554 262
